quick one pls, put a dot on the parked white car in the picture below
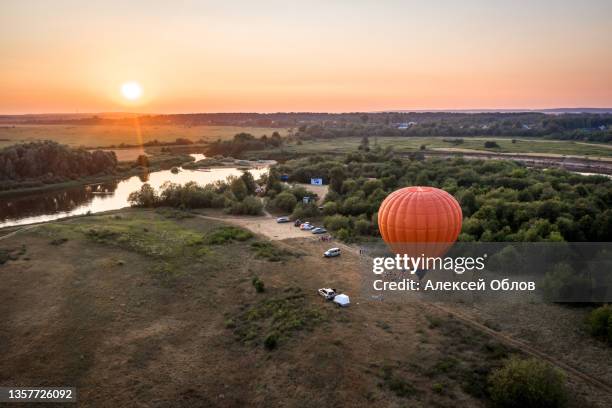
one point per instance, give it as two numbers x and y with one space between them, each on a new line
281 220
306 227
332 252
327 293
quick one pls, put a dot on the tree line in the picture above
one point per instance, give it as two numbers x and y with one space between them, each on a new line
52 162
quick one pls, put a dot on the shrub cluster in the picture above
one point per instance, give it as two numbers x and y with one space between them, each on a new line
222 235
258 285
529 383
599 323
236 195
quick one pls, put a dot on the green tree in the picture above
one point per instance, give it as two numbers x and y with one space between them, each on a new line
238 188
365 144
285 201
337 176
330 208
249 182
145 197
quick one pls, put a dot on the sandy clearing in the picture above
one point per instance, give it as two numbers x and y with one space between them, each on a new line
321 191
265 225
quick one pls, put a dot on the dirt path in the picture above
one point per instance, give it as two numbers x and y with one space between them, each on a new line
527 349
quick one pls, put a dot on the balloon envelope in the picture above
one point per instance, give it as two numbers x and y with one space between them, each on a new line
420 221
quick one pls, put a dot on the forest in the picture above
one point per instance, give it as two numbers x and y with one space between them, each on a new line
48 161
502 201
584 127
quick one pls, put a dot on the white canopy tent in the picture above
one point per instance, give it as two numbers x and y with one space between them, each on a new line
342 300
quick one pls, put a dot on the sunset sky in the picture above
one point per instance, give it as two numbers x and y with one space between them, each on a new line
263 56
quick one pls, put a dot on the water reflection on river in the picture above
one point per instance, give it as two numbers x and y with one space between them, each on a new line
52 205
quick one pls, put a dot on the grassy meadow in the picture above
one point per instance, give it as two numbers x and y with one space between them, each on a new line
408 144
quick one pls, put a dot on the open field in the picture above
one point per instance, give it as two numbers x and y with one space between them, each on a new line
93 136
407 144
157 308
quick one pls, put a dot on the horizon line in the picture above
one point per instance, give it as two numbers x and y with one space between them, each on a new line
440 110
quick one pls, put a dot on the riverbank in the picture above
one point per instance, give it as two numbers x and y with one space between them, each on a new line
156 163
104 195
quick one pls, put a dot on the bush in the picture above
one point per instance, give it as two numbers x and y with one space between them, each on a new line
285 201
258 285
271 341
397 384
145 197
362 226
490 144
227 234
302 211
527 383
269 251
599 323
249 206
330 208
563 284
336 222
345 235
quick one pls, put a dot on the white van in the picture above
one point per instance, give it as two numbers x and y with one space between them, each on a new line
331 252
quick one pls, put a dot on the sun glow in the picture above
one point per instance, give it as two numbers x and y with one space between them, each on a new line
131 90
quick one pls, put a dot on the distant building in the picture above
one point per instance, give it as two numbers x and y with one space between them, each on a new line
316 181
405 125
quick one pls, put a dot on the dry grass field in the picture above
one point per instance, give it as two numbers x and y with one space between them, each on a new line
157 308
93 136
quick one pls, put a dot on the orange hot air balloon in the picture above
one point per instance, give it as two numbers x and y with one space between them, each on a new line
418 221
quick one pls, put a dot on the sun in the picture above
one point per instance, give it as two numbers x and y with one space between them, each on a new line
131 90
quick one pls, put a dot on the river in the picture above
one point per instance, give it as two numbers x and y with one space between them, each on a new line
113 195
